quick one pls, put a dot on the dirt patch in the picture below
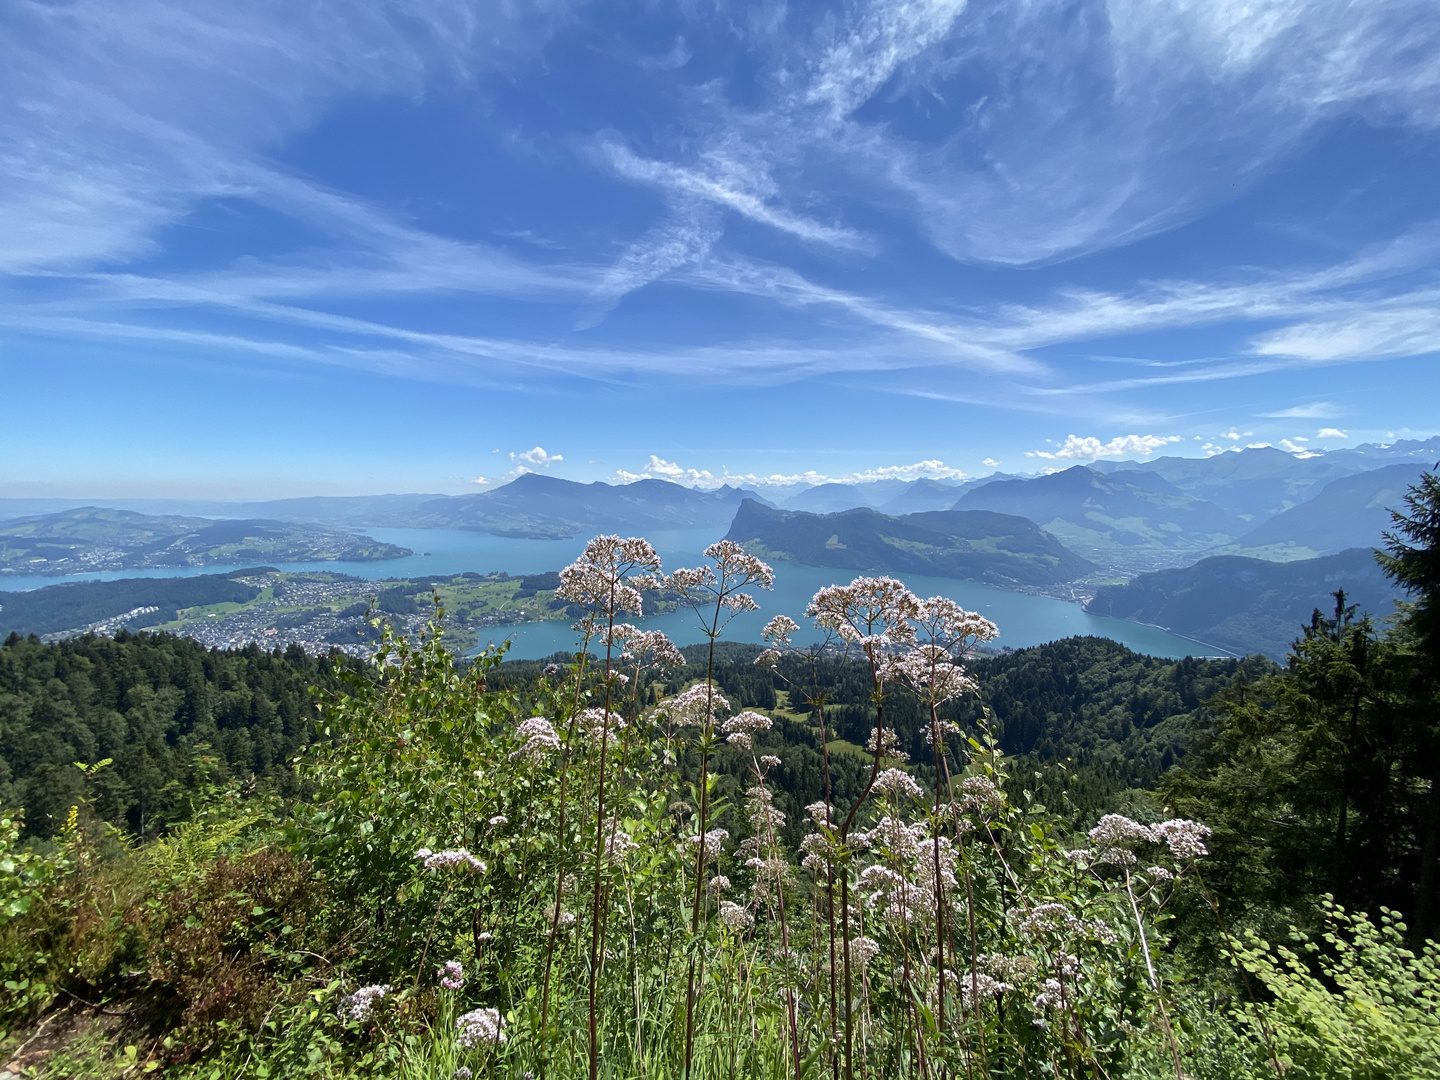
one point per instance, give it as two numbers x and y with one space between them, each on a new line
79 1041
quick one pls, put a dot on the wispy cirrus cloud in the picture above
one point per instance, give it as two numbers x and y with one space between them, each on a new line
1001 135
1315 410
726 182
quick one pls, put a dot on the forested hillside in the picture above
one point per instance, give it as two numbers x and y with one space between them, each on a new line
175 719
1248 605
976 545
171 713
97 538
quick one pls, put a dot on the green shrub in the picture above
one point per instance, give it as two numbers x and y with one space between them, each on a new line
27 878
1354 1005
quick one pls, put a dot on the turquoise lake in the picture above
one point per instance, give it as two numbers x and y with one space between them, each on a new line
1023 619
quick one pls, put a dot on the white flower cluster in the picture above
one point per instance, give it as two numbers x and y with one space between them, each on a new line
358 1006
696 707
977 987
1054 919
539 740
479 1026
1116 835
748 722
643 648
979 795
1184 838
713 841
735 917
741 727
617 845
1117 830
603 580
862 951
597 722
948 625
818 852
933 674
888 743
760 809
1050 997
452 975
441 860
778 632
902 841
565 921
873 613
899 784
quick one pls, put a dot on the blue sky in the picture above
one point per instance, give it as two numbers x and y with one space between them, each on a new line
277 248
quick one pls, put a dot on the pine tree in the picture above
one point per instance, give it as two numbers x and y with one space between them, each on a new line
1412 560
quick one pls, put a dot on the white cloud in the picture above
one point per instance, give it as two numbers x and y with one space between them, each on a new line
1235 435
1295 445
1090 448
536 456
1047 166
1331 433
660 469
735 185
1316 410
990 463
1404 326
680 241
93 161
124 119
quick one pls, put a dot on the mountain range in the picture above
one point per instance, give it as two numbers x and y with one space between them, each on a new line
1350 512
1132 519
978 545
545 507
98 538
1248 605
1217 517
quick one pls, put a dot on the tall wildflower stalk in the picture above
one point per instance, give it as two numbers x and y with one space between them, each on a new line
606 580
945 633
779 636
767 861
715 593
872 615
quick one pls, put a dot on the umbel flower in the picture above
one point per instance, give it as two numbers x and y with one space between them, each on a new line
695 707
714 838
452 975
538 740
898 783
740 728
358 1006
735 917
601 579
479 1026
442 860
863 950
1116 836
